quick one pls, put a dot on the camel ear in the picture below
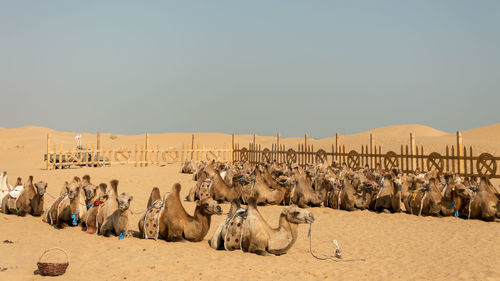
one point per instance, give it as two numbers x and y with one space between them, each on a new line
130 199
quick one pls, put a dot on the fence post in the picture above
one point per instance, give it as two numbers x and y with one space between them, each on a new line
98 148
305 156
337 147
48 151
254 153
278 147
412 151
460 152
146 154
192 146
372 143
232 149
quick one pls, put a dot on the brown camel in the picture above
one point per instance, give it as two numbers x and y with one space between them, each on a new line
305 195
188 167
389 196
262 193
482 202
253 234
108 208
89 190
69 208
117 222
30 201
176 224
425 198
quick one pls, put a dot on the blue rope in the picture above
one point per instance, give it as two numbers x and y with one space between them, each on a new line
453 207
240 179
122 235
73 216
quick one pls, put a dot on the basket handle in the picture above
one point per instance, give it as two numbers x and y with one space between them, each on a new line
55 248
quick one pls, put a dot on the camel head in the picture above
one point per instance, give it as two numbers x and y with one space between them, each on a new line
209 206
124 201
72 189
88 188
297 215
41 187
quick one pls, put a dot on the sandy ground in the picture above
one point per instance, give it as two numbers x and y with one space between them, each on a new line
395 246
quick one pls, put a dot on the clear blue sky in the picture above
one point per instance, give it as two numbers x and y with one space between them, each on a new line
298 67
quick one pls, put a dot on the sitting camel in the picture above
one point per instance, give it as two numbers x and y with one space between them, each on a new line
113 218
69 208
482 202
247 230
262 193
89 190
305 195
176 224
29 201
389 196
425 198
188 167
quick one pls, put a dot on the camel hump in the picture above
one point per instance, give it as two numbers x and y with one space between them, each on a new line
76 179
176 188
19 181
155 194
86 178
30 179
252 202
114 186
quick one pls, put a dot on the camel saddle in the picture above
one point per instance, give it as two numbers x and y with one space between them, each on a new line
232 240
12 204
93 212
55 209
152 220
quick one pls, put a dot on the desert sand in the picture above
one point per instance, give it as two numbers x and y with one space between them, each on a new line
395 246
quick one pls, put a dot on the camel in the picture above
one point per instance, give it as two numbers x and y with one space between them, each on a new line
221 191
218 237
188 167
149 225
89 190
305 195
482 202
249 231
113 217
202 188
69 208
389 196
29 201
176 224
425 198
94 206
262 192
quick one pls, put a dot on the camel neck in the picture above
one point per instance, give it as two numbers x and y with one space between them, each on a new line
286 226
203 219
74 205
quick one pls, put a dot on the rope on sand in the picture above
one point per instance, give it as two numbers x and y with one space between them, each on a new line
336 258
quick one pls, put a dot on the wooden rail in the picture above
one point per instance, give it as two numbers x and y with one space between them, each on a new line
142 155
458 159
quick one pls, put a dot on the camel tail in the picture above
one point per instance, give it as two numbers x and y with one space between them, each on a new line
114 186
102 187
86 178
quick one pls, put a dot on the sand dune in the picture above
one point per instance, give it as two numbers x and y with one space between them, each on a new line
395 246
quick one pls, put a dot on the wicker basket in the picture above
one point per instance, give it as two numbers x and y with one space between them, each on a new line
52 269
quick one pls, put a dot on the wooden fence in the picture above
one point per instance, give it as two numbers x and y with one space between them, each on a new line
458 159
142 155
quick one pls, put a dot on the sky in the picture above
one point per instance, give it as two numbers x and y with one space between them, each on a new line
262 67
